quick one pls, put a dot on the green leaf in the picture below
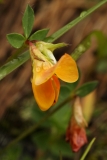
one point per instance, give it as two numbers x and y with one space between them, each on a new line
71 86
101 44
39 35
63 146
16 40
27 21
64 92
41 139
12 153
86 88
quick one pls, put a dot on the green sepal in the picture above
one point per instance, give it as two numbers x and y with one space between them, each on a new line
27 21
39 35
15 39
86 88
48 39
50 46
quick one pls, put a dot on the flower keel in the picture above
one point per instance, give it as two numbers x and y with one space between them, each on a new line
47 93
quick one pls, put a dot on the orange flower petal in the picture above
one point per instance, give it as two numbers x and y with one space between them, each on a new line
56 85
44 94
66 69
42 76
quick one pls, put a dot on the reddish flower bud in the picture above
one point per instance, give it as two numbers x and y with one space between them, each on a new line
76 134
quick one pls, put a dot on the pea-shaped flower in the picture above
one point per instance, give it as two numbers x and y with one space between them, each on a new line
46 71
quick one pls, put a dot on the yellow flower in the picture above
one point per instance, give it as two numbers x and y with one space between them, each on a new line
46 69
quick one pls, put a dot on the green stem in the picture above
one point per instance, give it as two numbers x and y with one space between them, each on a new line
13 64
87 150
86 43
34 127
67 27
81 48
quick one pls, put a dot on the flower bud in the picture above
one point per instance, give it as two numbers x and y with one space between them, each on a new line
78 114
76 134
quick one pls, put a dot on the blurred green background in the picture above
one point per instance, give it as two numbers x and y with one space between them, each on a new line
18 109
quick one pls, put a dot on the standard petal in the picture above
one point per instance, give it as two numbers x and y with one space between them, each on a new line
66 69
56 85
44 94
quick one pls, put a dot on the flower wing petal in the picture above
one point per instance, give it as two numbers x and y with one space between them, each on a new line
44 94
66 69
56 85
